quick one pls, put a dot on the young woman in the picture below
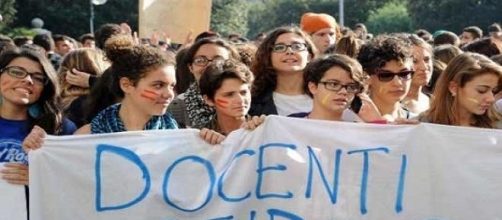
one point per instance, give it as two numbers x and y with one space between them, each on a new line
333 82
90 61
189 109
278 68
416 100
226 86
29 92
388 62
144 79
464 94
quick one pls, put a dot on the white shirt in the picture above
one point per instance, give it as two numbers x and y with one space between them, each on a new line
289 104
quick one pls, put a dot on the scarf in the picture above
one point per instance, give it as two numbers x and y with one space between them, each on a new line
199 113
108 121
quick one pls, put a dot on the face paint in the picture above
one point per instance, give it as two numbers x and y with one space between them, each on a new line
473 100
325 99
150 95
222 103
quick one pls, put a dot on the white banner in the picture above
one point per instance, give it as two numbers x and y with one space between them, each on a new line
12 200
286 169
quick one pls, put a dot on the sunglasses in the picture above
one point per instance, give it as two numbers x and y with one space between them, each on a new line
295 47
336 86
387 76
21 73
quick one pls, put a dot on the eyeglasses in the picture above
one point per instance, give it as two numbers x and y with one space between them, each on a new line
336 86
387 76
203 60
295 47
21 73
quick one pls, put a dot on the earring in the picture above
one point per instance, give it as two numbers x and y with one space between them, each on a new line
35 110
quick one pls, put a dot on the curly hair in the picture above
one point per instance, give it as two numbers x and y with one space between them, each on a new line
132 61
266 77
247 52
217 72
382 49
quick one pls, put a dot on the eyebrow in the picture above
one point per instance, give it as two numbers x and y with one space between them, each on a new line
20 67
403 69
291 42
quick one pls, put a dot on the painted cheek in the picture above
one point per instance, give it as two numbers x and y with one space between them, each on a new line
324 100
222 103
150 95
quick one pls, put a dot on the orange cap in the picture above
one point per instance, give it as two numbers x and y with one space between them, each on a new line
313 22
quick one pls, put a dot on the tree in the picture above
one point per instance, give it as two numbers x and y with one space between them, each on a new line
7 11
454 15
392 17
270 14
229 16
72 17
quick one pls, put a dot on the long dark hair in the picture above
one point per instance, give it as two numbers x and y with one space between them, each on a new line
50 117
266 77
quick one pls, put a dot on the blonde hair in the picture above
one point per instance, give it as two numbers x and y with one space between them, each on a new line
87 60
462 69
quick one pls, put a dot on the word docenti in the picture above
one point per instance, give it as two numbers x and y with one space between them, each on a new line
216 183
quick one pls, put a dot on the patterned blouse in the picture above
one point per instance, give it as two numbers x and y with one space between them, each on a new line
108 121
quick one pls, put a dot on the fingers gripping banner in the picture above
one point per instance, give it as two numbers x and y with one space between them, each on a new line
285 169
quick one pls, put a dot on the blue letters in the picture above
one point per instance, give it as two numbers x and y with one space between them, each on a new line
261 169
332 193
210 172
364 181
277 212
129 155
222 177
400 185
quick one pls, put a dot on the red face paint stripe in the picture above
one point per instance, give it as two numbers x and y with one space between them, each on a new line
147 97
221 101
150 92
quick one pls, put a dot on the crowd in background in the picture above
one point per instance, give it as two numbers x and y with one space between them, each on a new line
111 81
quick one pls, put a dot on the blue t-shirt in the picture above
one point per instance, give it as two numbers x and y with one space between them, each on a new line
12 134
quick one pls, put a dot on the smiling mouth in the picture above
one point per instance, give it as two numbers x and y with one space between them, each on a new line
24 90
290 60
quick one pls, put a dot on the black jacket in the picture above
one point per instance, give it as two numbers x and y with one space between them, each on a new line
263 104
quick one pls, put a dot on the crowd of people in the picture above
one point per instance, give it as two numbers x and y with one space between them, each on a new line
110 81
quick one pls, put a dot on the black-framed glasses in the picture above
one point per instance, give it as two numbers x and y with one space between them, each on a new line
21 73
337 86
387 76
204 61
295 47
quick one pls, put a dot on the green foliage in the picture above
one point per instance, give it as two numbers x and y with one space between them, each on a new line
250 17
229 16
7 11
454 15
392 17
266 15
19 31
72 17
